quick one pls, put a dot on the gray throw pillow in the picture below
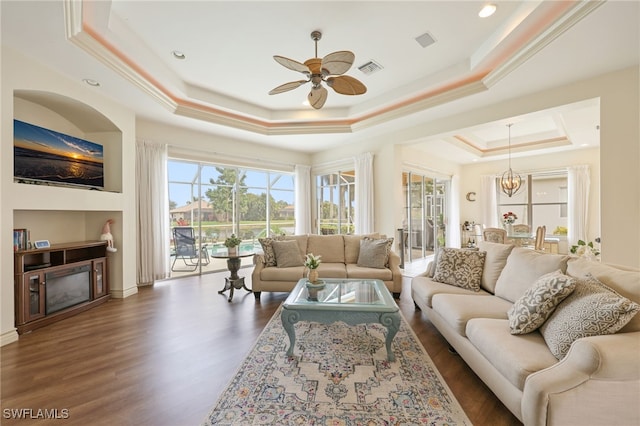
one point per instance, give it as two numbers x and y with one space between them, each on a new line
593 309
287 254
460 268
374 253
538 302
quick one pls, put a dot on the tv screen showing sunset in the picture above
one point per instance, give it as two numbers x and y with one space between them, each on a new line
46 156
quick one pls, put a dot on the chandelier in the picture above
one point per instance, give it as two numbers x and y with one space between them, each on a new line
510 181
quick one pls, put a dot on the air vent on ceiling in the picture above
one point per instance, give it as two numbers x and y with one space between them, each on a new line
425 39
370 67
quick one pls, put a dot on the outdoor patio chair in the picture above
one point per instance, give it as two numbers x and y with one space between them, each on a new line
187 249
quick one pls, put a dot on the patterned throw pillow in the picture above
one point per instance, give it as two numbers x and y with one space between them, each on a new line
374 253
267 248
460 267
538 302
593 309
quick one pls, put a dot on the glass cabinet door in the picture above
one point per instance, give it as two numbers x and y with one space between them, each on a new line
34 287
99 278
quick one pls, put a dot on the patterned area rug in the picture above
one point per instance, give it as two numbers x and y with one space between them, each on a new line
339 376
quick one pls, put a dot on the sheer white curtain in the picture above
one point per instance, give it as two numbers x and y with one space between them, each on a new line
453 212
302 191
152 212
363 166
488 201
578 183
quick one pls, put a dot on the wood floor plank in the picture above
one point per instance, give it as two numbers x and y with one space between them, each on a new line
164 355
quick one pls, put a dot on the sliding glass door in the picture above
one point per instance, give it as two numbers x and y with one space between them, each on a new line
424 215
217 201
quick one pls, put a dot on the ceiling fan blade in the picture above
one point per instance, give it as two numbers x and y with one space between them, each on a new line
337 63
317 97
288 86
346 85
292 65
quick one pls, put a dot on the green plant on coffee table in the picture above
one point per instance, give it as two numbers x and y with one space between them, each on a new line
312 261
232 241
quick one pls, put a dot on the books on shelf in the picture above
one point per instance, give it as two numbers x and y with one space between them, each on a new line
21 239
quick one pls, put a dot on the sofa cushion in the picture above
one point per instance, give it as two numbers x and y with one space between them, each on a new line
593 309
624 280
515 357
352 246
355 271
458 309
330 247
273 273
497 255
287 253
523 268
332 270
374 253
460 267
267 248
538 302
424 288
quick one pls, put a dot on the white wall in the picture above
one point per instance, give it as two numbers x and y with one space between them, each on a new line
64 214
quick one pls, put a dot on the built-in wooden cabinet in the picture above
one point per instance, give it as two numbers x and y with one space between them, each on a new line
56 282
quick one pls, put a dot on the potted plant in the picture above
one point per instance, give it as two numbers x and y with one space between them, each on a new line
232 244
312 262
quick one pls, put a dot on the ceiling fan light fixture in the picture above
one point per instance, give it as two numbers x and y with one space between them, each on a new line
328 69
510 182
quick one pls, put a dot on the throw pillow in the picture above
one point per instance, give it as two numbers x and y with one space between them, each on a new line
460 267
538 302
374 253
287 253
497 255
269 255
593 309
523 268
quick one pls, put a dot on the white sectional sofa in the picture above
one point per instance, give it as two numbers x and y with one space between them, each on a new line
597 382
340 256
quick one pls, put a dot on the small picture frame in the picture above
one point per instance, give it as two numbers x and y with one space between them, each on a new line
40 244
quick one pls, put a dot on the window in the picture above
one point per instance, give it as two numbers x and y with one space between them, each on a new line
335 202
220 200
541 201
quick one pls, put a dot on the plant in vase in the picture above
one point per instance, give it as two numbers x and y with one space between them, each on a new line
232 244
508 219
311 262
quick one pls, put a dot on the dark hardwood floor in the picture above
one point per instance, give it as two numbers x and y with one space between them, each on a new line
163 356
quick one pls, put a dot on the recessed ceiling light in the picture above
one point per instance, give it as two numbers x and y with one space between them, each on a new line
91 82
487 11
178 54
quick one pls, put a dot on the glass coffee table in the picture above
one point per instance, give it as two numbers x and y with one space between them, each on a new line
353 301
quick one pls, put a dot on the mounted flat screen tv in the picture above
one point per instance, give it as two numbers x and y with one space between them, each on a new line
43 156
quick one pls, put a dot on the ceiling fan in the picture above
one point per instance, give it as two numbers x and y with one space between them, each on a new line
328 69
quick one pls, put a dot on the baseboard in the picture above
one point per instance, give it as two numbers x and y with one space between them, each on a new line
9 337
121 294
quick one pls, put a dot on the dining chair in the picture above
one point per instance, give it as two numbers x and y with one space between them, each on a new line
494 235
521 228
540 233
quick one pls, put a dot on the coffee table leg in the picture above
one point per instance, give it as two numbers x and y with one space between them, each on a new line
392 322
289 318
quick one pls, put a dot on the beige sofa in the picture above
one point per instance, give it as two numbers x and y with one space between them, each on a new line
596 383
339 260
